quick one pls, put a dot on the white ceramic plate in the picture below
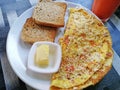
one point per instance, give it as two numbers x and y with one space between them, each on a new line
17 51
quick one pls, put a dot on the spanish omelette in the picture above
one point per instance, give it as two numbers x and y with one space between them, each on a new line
86 52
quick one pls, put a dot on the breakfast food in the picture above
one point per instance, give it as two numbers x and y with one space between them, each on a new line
94 79
42 56
86 52
32 32
49 14
97 75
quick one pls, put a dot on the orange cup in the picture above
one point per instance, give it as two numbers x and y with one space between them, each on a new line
105 8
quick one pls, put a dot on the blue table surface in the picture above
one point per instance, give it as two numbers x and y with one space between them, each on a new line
11 9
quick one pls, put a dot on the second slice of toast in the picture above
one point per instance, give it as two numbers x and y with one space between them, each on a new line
32 32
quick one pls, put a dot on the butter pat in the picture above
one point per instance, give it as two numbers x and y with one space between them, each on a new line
42 56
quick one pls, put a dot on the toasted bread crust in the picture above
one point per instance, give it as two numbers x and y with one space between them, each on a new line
45 0
31 32
53 18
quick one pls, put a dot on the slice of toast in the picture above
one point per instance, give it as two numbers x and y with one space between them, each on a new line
49 13
31 32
